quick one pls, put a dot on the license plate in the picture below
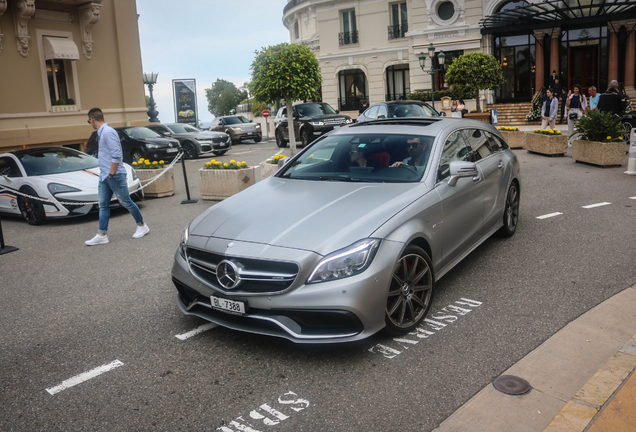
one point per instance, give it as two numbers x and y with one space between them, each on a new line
230 306
172 150
336 126
250 133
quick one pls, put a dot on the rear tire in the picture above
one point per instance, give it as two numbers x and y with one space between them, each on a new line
410 292
258 139
32 210
135 155
304 137
628 130
511 212
189 150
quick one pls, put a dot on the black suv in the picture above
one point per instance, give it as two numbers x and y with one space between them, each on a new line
311 120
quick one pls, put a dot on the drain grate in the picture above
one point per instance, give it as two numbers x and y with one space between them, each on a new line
512 385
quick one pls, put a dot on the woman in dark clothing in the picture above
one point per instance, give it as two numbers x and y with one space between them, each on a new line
359 157
576 104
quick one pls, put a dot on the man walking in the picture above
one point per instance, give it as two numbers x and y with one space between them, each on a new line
594 97
112 179
549 111
612 101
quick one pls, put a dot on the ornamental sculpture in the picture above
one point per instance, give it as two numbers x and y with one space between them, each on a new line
22 13
3 8
89 15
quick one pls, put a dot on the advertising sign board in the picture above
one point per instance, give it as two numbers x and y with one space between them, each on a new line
185 100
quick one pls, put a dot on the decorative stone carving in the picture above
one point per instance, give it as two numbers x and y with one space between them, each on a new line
89 15
22 13
3 9
305 20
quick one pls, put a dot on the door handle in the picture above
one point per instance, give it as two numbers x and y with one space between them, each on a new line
500 165
477 178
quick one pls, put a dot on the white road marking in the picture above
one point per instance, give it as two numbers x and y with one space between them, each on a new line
632 197
596 205
196 331
288 401
549 215
84 377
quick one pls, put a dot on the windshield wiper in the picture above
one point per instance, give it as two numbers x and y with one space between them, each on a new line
344 178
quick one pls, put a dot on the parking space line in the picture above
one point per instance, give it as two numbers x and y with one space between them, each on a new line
196 331
549 215
632 198
78 379
596 205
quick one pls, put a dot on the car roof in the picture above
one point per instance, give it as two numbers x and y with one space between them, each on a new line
406 102
413 126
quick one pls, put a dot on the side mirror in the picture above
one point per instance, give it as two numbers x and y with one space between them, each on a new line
461 169
5 173
337 111
166 134
442 114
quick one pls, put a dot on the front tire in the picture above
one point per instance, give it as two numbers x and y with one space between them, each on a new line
135 155
189 150
628 130
410 291
511 212
257 139
304 137
280 142
32 210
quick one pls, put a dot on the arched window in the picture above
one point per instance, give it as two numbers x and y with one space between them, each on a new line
353 89
511 5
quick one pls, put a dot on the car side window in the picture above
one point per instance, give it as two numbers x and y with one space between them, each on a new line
496 143
455 149
382 111
372 112
283 113
9 168
478 142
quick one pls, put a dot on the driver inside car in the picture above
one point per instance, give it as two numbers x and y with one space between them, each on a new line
418 155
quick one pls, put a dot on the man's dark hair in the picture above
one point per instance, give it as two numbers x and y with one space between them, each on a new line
96 114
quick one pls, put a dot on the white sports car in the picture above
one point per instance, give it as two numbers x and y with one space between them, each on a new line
56 174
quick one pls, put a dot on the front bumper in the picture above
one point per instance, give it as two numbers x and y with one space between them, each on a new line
162 153
241 135
344 310
70 210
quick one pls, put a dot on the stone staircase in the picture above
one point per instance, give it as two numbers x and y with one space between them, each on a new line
513 114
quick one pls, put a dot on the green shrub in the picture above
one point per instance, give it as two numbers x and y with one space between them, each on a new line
70 102
599 126
60 102
453 93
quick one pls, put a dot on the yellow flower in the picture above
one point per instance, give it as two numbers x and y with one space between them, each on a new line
161 162
141 159
155 163
608 138
244 163
147 162
232 161
225 165
134 163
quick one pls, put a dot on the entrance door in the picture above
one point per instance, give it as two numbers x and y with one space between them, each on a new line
583 67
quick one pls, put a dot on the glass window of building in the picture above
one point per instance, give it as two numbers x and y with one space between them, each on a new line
440 77
397 82
446 10
349 34
352 84
399 21
296 30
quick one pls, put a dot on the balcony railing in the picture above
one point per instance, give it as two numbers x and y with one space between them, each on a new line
291 4
398 31
348 38
350 103
397 96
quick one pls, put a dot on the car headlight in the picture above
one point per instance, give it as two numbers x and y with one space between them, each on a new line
346 262
134 174
184 239
347 121
152 146
317 123
56 188
236 129
258 126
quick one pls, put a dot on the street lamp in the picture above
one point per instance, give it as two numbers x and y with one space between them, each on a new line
150 79
432 71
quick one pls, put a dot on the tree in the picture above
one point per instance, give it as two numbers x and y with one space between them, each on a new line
223 97
478 71
285 71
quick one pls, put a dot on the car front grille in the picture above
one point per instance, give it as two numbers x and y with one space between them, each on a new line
257 277
334 121
218 140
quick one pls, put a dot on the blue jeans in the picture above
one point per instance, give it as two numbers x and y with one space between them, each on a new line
118 186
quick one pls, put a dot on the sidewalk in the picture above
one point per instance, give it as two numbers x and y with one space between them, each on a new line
583 379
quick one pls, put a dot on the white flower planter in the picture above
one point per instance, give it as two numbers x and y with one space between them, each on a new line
217 185
162 187
268 169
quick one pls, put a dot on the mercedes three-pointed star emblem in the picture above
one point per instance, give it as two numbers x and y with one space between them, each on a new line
227 274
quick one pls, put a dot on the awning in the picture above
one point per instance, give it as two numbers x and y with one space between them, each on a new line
558 13
56 48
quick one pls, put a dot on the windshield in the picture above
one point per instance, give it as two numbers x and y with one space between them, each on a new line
235 120
314 109
411 110
140 132
375 158
179 128
56 161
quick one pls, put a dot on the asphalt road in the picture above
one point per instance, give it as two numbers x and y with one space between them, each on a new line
69 309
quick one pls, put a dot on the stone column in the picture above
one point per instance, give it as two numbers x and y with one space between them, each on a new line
540 69
630 64
554 52
613 56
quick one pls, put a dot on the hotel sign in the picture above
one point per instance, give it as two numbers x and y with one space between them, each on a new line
185 100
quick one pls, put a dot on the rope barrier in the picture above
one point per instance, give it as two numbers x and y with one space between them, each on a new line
148 183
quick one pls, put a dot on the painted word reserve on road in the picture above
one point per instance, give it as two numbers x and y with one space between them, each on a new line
440 319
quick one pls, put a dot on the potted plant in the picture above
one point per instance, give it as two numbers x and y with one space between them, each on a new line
270 166
147 170
547 141
220 180
600 139
513 136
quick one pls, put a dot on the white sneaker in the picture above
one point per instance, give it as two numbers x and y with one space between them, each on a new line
97 240
141 231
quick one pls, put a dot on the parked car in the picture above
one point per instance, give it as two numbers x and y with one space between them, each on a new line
193 141
57 174
140 142
398 109
238 128
339 251
186 113
311 120
629 121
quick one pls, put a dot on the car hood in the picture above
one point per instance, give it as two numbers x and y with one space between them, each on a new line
200 135
326 117
318 216
85 180
163 142
243 126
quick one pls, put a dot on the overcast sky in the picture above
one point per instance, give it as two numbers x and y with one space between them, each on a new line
204 40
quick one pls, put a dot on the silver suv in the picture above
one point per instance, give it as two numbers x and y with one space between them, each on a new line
238 128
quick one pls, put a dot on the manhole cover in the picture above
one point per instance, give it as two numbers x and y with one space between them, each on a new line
512 385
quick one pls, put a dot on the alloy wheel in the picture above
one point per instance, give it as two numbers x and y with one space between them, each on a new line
410 292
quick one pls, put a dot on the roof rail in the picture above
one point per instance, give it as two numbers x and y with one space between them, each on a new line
422 121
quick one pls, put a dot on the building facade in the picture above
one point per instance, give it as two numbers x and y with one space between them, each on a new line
370 49
59 59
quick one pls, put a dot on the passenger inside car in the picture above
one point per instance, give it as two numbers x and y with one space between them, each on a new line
360 156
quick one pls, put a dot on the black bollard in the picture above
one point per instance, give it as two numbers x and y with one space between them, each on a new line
185 178
5 249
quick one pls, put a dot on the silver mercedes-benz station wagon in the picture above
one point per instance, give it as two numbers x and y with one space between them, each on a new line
350 235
